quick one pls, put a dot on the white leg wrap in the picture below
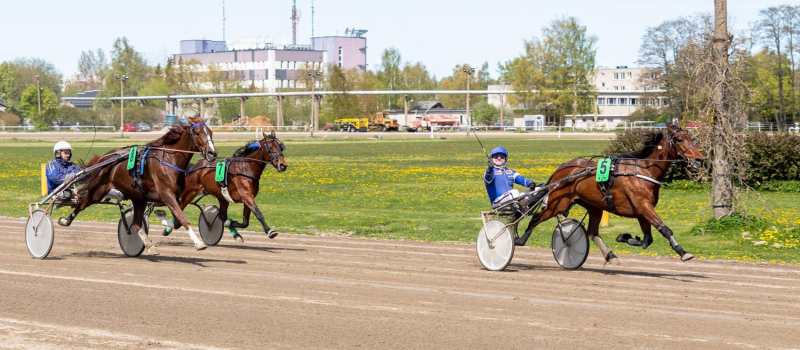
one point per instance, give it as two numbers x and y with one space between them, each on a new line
145 239
198 244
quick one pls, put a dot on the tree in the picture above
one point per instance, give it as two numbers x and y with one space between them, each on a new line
91 69
553 75
21 73
389 73
125 60
29 106
479 80
339 105
772 27
485 114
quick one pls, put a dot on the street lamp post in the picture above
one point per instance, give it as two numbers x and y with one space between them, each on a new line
314 111
469 77
121 103
39 97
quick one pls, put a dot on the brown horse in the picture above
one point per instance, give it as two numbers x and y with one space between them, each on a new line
634 191
244 171
162 176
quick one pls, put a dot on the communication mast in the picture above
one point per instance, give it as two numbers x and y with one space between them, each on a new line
295 17
312 18
223 20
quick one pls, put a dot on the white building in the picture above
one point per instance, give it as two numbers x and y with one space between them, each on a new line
619 93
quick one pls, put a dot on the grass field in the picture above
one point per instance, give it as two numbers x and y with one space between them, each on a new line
424 190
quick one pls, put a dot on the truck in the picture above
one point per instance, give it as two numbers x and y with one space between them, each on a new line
351 124
426 122
382 123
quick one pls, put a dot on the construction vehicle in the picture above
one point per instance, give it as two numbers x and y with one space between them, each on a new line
382 123
351 124
426 122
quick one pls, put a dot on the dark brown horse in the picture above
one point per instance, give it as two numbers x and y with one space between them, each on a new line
162 176
635 189
244 171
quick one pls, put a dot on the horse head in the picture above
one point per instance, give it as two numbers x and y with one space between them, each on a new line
201 137
274 148
683 146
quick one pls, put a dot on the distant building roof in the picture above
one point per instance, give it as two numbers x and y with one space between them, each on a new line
425 105
80 104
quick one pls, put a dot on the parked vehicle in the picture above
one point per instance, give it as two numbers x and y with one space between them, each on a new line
504 127
693 125
128 127
382 123
661 125
425 122
351 124
141 127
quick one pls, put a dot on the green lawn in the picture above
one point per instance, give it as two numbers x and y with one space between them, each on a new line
421 190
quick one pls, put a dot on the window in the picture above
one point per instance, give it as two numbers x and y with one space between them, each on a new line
623 101
622 88
665 102
616 75
630 75
601 101
612 101
341 56
603 84
633 102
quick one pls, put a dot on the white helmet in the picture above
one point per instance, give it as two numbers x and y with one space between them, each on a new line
61 145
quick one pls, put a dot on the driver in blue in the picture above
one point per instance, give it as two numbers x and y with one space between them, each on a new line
500 180
60 169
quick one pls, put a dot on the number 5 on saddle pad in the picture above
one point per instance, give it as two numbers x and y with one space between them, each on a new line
219 175
132 157
603 170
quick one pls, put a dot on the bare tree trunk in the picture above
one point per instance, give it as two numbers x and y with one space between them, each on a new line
722 185
782 120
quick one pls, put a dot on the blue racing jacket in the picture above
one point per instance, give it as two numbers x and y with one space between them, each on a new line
57 169
500 180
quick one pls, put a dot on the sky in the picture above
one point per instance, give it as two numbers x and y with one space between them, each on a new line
440 34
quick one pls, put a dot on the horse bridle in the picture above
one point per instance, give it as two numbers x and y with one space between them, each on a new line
672 137
273 158
204 150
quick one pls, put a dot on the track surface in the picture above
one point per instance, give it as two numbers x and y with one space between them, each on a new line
301 291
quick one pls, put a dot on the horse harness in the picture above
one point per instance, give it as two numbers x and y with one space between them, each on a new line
605 186
223 173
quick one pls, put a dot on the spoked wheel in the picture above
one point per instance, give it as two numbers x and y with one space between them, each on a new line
129 240
496 255
39 234
570 244
211 227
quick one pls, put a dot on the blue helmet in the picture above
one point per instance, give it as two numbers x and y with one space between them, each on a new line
498 150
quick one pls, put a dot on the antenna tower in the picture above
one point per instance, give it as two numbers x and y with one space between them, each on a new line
294 18
223 20
312 18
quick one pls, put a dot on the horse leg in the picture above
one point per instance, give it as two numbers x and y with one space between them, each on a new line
652 218
186 198
82 204
178 214
250 203
139 207
646 230
535 221
223 216
594 233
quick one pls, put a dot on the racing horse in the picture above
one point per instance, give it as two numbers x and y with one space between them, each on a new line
161 179
241 184
634 192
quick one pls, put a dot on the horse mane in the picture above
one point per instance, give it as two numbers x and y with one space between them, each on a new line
651 141
244 150
171 137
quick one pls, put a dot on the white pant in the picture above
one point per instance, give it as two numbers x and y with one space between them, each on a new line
505 197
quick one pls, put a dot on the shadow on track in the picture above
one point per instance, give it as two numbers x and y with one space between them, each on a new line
154 258
235 246
611 272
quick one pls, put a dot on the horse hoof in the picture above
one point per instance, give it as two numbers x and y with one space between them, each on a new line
64 221
166 231
238 238
272 234
200 246
612 259
687 257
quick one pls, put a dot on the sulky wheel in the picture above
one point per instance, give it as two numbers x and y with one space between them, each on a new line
130 242
570 244
496 255
39 234
211 227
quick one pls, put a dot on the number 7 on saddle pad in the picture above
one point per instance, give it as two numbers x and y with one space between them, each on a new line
219 175
603 170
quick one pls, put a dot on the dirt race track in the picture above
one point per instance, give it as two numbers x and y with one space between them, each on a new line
301 291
